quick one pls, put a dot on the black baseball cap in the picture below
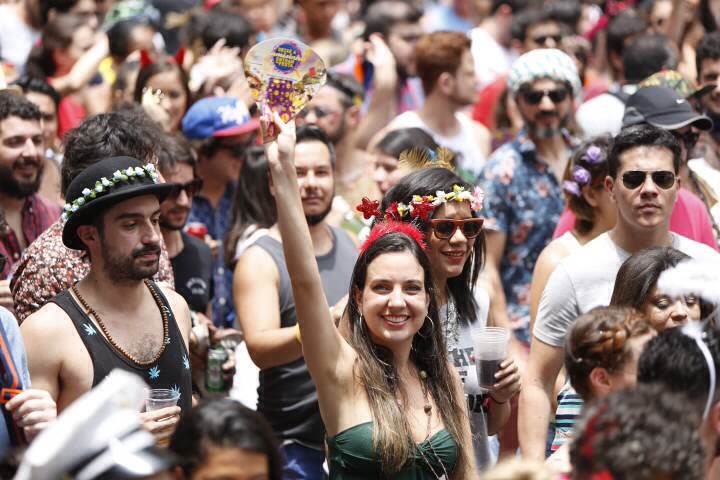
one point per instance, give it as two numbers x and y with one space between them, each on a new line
662 108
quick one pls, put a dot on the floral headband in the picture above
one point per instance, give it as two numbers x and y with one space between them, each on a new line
421 206
104 186
582 176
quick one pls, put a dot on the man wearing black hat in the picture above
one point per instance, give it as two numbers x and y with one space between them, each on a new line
115 317
662 107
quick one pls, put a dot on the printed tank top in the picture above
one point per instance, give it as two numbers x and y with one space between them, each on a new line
171 370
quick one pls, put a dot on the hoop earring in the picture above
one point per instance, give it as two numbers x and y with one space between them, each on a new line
432 324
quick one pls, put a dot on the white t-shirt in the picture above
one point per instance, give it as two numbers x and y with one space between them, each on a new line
585 280
16 38
459 352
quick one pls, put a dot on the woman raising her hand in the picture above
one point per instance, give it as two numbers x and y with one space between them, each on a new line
392 405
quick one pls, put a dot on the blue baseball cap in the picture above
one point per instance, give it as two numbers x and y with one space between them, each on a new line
218 117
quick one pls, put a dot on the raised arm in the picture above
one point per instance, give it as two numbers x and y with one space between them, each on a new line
322 344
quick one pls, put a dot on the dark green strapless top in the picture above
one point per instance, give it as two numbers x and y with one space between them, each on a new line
351 456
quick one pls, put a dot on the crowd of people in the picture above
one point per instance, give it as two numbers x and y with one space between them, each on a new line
310 292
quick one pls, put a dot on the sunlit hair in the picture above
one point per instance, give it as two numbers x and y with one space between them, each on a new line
601 339
374 368
427 182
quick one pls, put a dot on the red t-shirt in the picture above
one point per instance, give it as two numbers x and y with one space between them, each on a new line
689 218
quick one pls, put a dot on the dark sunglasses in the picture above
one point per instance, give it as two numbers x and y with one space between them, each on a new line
534 97
238 151
542 39
662 178
191 188
445 228
319 112
689 138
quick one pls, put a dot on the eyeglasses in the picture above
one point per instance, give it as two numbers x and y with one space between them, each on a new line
689 138
445 228
662 178
542 39
319 112
534 97
190 188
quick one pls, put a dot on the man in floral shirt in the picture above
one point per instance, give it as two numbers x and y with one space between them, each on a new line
522 183
47 266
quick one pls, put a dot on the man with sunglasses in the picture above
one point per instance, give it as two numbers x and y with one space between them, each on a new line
191 257
643 181
221 129
522 179
664 108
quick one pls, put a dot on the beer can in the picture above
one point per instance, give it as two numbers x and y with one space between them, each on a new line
214 381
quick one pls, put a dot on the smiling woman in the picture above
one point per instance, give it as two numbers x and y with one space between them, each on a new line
391 405
456 244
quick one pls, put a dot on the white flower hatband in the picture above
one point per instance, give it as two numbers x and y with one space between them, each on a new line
104 186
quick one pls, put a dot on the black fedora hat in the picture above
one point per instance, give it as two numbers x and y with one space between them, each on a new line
104 184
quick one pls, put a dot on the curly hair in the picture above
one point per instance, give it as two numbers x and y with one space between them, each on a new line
600 339
127 132
628 435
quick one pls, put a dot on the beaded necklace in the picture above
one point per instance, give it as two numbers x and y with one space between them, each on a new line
163 312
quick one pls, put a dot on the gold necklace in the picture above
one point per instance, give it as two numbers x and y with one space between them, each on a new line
112 341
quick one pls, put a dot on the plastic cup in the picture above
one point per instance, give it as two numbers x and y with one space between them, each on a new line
490 350
159 398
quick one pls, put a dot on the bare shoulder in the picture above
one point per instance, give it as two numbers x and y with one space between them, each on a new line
551 256
49 326
255 265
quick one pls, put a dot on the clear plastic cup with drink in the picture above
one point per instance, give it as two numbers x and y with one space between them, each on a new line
490 350
159 398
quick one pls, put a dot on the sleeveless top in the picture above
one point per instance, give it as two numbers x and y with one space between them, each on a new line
351 456
287 397
459 335
171 371
469 156
569 241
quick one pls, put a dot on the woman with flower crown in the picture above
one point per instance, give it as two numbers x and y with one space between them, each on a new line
453 232
391 404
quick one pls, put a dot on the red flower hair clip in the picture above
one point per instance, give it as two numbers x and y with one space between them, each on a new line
384 228
369 208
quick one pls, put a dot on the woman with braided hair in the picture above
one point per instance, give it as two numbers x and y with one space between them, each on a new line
391 404
601 356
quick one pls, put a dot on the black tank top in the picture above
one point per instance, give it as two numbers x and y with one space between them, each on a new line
171 371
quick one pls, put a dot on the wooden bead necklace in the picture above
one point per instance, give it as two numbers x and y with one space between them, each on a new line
163 312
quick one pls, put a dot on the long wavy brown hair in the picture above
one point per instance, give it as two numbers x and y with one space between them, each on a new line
374 368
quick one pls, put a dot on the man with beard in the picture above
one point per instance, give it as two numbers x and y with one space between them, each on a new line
336 110
115 317
191 258
523 198
446 68
266 309
222 130
24 214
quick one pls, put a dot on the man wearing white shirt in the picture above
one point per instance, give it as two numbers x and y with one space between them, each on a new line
643 182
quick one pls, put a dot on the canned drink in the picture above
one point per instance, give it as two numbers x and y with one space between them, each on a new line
197 230
214 381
